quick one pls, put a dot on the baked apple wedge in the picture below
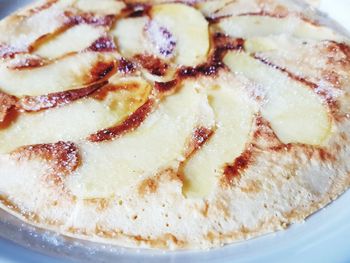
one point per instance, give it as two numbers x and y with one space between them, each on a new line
247 26
165 35
234 114
104 108
74 70
159 143
296 113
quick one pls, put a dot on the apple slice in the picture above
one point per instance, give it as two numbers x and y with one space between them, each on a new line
234 113
24 29
295 112
75 39
242 7
104 108
191 34
130 36
262 44
158 144
101 7
209 8
72 71
258 25
317 62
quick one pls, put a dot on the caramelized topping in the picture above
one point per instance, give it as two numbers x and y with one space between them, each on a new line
136 10
153 64
43 7
102 93
52 100
131 123
200 136
8 112
62 157
103 44
222 44
7 102
7 51
28 63
335 47
165 87
102 70
148 186
237 168
88 18
126 66
278 13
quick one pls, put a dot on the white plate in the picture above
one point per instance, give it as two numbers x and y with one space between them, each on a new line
324 237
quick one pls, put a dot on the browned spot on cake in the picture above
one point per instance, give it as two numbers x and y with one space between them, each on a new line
62 157
29 63
152 64
90 19
103 92
131 123
264 138
325 155
7 103
44 6
102 70
332 77
77 231
37 103
345 48
136 9
199 137
241 163
205 209
7 51
126 66
264 133
5 201
251 187
210 236
9 119
222 44
101 204
148 186
160 242
244 230
166 87
336 47
278 12
100 231
103 44
281 147
223 207
338 55
296 214
281 11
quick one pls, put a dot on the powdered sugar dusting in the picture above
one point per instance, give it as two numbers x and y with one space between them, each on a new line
162 39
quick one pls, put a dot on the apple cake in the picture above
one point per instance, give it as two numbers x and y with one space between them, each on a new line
162 124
